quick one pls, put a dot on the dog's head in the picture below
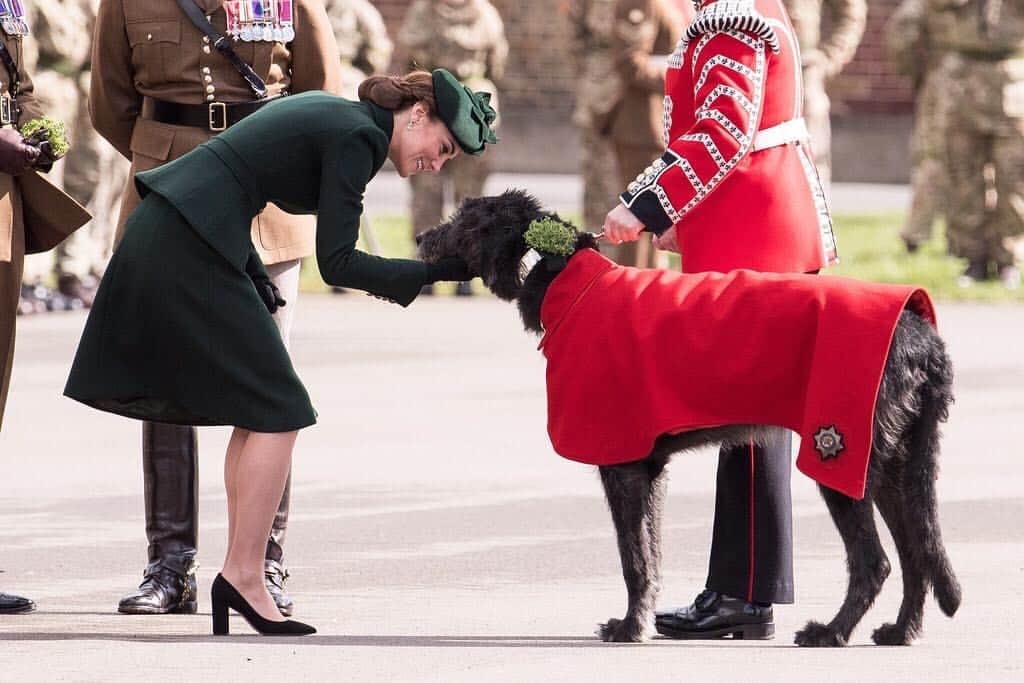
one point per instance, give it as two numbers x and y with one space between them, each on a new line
487 233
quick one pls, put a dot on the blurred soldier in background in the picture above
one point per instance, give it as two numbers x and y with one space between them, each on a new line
910 40
590 29
644 33
363 43
985 140
467 37
822 59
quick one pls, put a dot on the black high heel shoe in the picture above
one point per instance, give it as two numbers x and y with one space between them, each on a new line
224 595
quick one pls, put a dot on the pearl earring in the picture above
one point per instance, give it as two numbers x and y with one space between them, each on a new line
410 125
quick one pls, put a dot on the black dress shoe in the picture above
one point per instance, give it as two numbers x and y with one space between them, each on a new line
223 595
15 604
164 590
713 615
274 575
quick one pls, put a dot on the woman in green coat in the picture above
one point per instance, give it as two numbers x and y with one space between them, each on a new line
185 287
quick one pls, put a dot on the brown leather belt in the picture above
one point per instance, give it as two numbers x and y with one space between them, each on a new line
213 116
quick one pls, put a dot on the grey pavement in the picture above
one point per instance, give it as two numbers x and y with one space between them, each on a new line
436 536
389 194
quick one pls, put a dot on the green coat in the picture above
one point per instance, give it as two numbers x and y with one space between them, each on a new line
178 333
308 153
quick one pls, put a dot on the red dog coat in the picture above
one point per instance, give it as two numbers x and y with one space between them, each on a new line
634 354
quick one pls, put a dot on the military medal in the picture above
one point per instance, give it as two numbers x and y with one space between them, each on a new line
231 15
284 15
244 11
269 20
19 17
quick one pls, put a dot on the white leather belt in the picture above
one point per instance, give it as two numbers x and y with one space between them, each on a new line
794 130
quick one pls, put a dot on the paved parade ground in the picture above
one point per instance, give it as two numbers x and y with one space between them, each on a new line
436 536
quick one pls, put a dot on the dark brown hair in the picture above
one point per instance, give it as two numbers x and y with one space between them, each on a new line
399 92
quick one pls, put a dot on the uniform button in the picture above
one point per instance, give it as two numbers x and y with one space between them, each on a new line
208 78
210 88
209 98
206 69
206 39
149 36
206 49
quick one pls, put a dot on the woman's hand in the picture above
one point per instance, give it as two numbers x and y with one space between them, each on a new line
620 225
666 241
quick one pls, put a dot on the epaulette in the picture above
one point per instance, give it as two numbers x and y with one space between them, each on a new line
732 15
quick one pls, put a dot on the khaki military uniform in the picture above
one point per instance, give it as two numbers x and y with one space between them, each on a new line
645 32
34 215
985 124
57 55
148 49
363 43
591 23
910 40
468 39
823 57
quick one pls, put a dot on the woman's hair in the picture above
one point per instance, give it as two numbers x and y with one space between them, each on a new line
399 92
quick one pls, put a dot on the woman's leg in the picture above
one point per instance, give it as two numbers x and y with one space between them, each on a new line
258 480
231 459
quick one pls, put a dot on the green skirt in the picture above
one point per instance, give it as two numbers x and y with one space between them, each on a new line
176 334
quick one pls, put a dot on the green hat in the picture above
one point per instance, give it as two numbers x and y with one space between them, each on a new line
467 114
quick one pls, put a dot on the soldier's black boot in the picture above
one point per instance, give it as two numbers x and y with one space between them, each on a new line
15 604
169 465
274 573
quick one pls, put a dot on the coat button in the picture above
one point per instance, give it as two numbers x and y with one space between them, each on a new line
149 36
210 88
206 69
208 78
209 98
206 49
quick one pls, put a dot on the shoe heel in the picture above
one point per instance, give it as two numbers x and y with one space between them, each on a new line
220 617
190 607
755 632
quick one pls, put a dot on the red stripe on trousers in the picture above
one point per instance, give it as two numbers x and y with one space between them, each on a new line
750 589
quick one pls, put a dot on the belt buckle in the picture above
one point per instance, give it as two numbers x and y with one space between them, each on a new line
218 109
5 111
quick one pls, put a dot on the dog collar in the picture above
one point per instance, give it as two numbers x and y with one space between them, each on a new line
526 264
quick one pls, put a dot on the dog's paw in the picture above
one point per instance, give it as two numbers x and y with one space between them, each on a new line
892 634
622 631
816 634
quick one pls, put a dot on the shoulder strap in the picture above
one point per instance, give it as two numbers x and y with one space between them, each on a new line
196 15
12 70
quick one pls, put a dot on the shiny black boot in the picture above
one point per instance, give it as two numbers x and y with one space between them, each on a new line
274 572
169 466
15 604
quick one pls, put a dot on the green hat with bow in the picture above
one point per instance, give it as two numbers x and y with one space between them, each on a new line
467 114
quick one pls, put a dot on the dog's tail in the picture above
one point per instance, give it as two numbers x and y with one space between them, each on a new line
937 395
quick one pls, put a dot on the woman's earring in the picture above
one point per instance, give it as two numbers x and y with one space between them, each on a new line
410 126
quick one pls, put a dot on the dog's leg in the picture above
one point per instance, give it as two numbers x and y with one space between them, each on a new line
892 503
627 489
866 563
653 512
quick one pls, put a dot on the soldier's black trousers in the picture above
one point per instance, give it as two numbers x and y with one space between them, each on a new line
752 545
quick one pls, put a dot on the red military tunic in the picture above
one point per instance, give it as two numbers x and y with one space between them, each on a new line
737 179
633 354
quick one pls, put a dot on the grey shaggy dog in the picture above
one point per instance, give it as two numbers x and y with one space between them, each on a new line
914 397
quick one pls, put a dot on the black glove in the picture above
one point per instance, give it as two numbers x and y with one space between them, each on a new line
44 162
15 155
268 291
450 269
